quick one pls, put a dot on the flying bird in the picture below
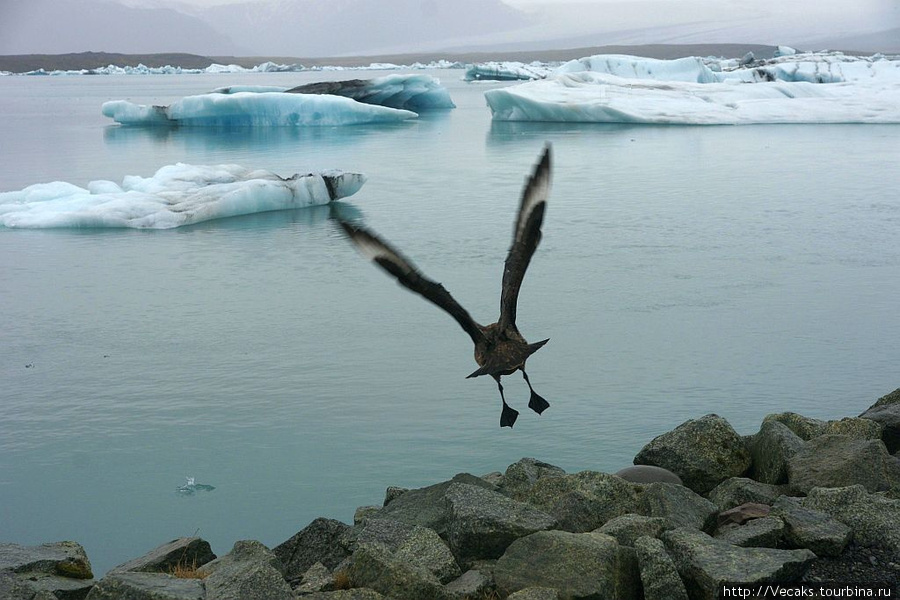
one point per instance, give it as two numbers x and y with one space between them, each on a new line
499 347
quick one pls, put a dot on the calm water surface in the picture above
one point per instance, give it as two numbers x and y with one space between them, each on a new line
683 271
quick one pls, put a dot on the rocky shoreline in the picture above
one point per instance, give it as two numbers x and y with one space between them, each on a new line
801 501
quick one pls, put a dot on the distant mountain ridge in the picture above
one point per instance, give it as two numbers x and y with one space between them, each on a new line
261 27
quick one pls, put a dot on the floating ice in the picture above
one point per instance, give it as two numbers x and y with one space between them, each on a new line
506 71
801 88
176 195
190 487
255 109
266 67
409 92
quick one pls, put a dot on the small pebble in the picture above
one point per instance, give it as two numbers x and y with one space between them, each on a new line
873 561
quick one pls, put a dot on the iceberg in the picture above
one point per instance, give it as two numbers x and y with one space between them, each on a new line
176 195
255 109
799 88
190 487
506 71
408 92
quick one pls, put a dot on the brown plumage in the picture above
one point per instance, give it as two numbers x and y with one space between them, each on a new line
499 347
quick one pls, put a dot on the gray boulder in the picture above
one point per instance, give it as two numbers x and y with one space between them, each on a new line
705 563
60 569
577 565
535 593
318 578
741 490
426 506
521 476
354 594
413 543
839 461
648 474
805 427
393 492
425 548
743 513
189 552
702 452
66 559
473 583
811 529
127 585
628 528
363 513
584 501
249 572
771 449
679 505
766 532
374 566
872 517
482 523
855 427
659 576
320 541
886 411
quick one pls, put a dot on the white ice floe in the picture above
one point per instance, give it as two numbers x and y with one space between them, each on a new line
176 195
507 71
266 67
800 88
255 109
404 91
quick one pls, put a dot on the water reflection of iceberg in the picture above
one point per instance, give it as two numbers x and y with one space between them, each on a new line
191 487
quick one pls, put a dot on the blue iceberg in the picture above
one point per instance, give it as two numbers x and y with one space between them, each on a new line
798 88
506 71
176 195
255 109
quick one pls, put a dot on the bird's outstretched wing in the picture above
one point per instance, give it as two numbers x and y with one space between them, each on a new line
526 236
410 277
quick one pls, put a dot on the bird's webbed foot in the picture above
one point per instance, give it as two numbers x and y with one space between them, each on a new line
508 416
537 403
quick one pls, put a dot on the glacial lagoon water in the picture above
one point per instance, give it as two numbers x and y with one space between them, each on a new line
683 270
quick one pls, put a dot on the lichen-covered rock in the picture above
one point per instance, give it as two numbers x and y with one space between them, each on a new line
886 411
628 528
872 517
658 573
805 427
426 506
577 565
705 563
648 474
702 452
535 593
320 541
741 490
354 594
523 474
584 501
473 583
742 513
482 523
679 505
393 492
185 551
59 569
771 449
318 578
811 529
364 512
67 559
249 572
426 549
840 461
766 532
374 566
128 585
855 427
